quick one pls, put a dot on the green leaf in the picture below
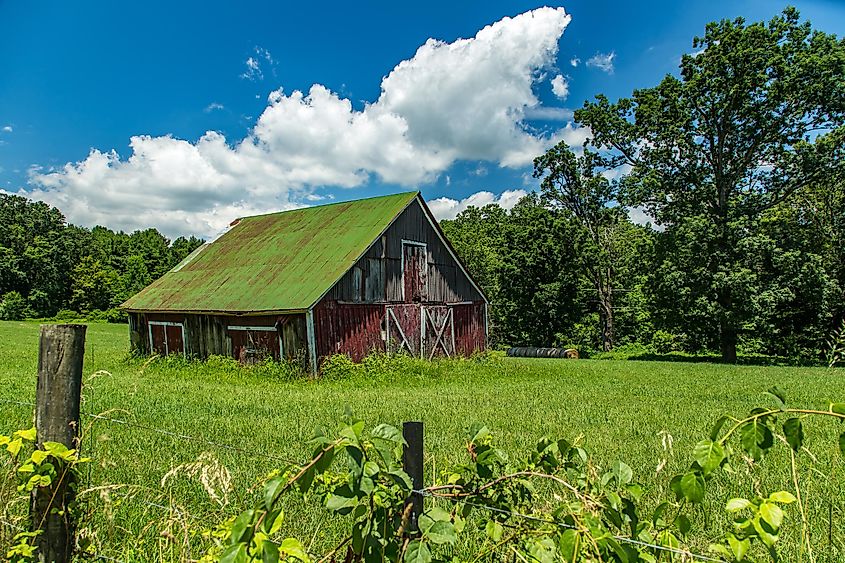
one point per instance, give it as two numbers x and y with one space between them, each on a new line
622 472
272 489
737 504
38 456
842 443
756 438
240 525
269 552
717 427
28 435
234 554
793 431
738 547
14 447
477 432
441 532
417 552
494 530
683 524
692 485
709 455
273 521
778 395
570 545
782 497
838 408
292 547
772 514
340 504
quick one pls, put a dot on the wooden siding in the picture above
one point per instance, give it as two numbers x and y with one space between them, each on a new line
355 330
209 335
377 276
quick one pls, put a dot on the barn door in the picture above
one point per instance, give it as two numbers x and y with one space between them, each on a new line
166 337
438 334
403 329
414 272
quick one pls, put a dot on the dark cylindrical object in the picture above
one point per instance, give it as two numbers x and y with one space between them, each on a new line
61 351
412 463
534 352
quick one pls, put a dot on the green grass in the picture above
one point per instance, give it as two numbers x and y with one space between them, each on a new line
616 409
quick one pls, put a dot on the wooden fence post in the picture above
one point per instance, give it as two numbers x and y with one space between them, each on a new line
412 463
61 350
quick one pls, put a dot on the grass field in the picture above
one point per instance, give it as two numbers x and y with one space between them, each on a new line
617 409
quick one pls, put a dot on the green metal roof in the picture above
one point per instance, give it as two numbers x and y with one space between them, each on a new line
278 262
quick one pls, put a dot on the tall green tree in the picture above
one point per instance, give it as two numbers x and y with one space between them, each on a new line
755 116
575 185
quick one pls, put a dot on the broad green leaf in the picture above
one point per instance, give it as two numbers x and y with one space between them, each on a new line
441 532
793 431
293 548
570 545
494 530
38 456
28 435
340 504
783 497
778 395
272 489
756 438
717 427
772 514
838 408
683 524
477 432
234 554
738 547
14 447
842 443
737 504
273 522
709 455
417 552
239 527
269 552
692 485
622 472
388 432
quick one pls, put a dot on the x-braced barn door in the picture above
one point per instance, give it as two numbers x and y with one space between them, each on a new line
438 331
402 329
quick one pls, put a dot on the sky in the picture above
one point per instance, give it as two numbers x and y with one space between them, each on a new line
186 115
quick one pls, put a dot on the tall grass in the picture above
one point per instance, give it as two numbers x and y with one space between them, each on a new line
616 409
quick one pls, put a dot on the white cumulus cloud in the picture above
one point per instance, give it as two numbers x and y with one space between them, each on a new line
7 129
560 86
448 208
466 100
602 61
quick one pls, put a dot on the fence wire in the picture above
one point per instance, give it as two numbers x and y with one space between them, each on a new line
564 525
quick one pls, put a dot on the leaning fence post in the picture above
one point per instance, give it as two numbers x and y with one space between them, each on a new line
61 350
412 463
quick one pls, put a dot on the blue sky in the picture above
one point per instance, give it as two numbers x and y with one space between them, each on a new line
192 112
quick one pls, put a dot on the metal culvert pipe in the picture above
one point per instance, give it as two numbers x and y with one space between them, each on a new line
534 352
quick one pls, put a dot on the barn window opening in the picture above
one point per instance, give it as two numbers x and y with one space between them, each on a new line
166 337
414 271
253 344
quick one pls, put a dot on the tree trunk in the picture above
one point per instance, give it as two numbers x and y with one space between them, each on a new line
728 343
606 317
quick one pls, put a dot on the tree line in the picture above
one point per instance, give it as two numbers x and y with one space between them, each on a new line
49 267
739 162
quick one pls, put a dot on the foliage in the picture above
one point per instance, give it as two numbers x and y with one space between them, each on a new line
56 266
756 116
52 463
13 307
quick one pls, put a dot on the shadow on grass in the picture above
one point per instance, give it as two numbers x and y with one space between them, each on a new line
716 359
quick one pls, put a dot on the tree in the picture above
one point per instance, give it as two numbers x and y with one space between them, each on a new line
755 116
575 185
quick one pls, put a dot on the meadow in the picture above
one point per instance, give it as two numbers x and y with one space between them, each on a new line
643 413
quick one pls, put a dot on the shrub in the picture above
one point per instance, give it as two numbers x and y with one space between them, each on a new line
339 366
663 342
13 307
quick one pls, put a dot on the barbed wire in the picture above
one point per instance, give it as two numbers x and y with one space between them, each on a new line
564 525
169 433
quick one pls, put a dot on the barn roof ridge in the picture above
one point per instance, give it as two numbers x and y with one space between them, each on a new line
275 262
322 205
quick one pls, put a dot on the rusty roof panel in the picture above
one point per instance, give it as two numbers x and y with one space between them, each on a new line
277 262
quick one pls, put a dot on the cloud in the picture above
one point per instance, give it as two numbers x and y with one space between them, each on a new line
575 61
602 61
447 208
213 106
560 86
256 65
545 113
7 129
466 100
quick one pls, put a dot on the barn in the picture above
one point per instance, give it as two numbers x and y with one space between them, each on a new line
374 274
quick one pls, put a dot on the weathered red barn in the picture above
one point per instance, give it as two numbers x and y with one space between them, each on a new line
368 275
